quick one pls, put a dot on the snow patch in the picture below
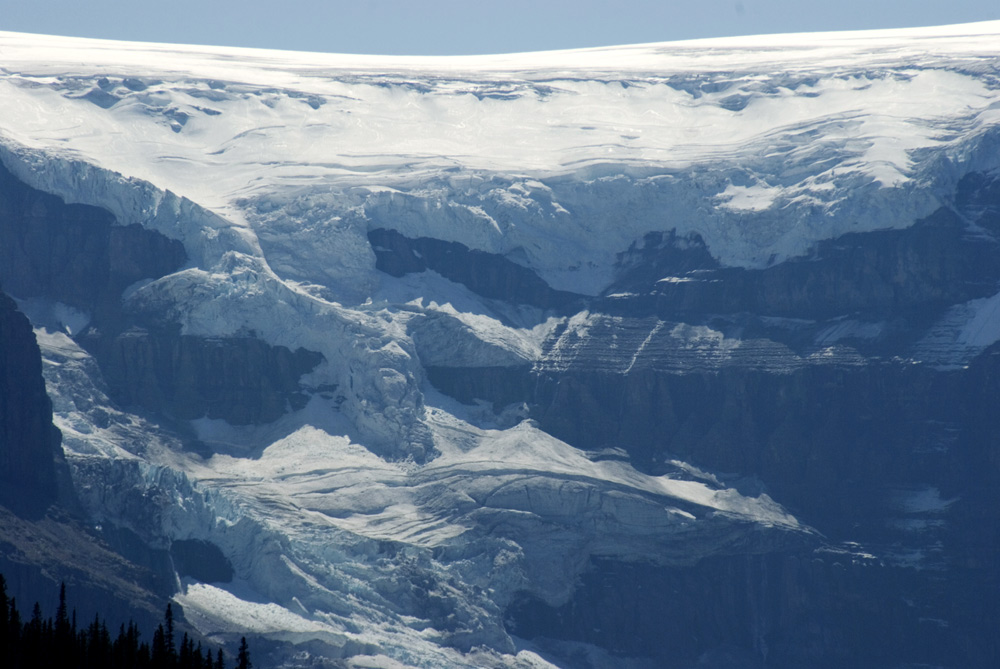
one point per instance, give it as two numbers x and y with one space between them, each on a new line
962 333
748 198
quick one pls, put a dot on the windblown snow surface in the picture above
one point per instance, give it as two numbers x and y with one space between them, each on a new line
389 525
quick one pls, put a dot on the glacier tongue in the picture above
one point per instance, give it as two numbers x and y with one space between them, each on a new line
334 545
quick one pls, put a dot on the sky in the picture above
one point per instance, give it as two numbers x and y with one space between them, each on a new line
453 27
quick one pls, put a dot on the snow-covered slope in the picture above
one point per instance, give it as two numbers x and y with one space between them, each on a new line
382 517
752 142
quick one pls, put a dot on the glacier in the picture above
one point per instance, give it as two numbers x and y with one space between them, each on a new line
386 520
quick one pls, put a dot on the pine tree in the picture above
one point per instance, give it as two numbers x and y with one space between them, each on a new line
243 657
47 648
4 624
64 637
98 642
159 650
14 633
44 643
185 654
168 635
14 621
31 639
62 620
144 656
120 649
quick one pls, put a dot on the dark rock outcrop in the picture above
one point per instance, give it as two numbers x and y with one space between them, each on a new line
74 253
911 273
825 608
29 442
43 539
240 379
36 555
201 560
486 274
501 385
805 433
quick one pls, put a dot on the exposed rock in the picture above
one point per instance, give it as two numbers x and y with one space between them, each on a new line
485 274
43 540
201 560
824 608
798 380
35 556
910 272
242 379
501 385
29 443
74 253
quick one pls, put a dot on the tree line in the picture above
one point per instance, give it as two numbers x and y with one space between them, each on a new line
59 643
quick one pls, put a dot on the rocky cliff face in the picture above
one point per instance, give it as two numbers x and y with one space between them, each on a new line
820 609
240 379
29 443
43 538
75 256
69 265
805 378
487 274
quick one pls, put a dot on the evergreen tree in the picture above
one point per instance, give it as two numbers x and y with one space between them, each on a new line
47 649
131 650
4 624
44 643
62 620
159 650
35 624
64 637
14 627
168 634
31 640
243 657
119 649
185 657
98 654
144 656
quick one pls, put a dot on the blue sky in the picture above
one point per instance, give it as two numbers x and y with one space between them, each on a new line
466 26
